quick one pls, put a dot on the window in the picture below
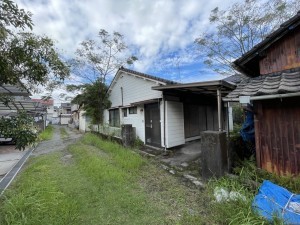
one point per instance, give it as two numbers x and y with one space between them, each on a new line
114 118
133 110
124 112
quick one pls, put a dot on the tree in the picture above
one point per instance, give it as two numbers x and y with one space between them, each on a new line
28 60
21 129
95 61
239 28
91 98
25 57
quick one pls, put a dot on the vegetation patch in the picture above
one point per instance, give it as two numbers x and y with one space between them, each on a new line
96 181
47 134
63 133
104 184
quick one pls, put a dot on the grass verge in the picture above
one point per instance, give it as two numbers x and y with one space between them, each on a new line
63 133
98 182
46 134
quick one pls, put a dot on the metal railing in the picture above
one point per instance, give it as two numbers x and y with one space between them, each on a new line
107 130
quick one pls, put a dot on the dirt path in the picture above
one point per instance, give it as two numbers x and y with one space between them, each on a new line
57 143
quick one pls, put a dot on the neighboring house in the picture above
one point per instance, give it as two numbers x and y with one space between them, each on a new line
65 113
65 108
75 116
56 115
48 105
164 113
273 87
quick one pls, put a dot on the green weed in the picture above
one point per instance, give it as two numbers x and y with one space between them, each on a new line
46 134
63 133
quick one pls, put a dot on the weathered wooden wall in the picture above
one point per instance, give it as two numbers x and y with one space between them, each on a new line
283 55
277 134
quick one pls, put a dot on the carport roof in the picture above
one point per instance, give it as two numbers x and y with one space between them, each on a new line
207 87
13 90
21 100
21 104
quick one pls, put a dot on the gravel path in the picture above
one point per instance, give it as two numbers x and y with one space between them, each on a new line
57 143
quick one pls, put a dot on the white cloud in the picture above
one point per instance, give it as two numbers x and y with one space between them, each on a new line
156 29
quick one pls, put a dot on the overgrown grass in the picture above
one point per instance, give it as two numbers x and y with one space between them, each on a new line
46 134
99 182
63 133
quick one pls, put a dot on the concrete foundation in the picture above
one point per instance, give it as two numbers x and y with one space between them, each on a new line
214 154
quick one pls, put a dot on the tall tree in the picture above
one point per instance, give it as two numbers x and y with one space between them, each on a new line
237 29
27 59
95 61
91 98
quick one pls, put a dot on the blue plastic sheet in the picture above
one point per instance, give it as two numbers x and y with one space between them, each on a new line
275 201
248 132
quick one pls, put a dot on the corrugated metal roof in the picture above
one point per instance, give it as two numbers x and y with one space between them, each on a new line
268 85
13 90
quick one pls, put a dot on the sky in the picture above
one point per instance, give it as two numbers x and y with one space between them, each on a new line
160 33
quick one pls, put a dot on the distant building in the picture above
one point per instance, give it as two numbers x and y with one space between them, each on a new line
48 105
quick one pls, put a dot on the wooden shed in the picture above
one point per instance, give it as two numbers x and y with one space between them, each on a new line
273 87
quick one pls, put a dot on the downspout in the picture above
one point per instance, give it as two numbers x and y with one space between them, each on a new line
219 96
164 123
122 96
228 128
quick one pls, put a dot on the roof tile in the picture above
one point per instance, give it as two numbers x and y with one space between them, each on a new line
268 85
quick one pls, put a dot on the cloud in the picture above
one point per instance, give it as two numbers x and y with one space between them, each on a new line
160 32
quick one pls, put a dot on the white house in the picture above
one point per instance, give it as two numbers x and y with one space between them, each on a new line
164 113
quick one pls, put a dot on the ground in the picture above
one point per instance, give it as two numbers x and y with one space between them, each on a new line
74 180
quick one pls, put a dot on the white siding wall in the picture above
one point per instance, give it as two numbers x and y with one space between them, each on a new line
137 121
135 89
174 124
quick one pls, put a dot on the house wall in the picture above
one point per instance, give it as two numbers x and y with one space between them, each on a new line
84 122
277 134
137 121
64 120
134 89
283 55
174 124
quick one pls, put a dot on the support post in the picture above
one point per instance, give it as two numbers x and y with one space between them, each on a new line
219 96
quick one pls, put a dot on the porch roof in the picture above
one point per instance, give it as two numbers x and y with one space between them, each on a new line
206 88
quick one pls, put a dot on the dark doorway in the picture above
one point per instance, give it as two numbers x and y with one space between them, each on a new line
152 125
191 120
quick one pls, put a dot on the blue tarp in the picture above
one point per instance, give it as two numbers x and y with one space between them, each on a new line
275 201
247 132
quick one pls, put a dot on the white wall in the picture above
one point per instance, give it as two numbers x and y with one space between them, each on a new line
174 124
137 121
84 122
64 120
135 89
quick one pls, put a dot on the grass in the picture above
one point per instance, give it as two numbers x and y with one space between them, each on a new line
99 182
46 134
63 133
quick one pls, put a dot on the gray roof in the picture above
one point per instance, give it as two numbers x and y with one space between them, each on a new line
282 83
236 78
148 76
